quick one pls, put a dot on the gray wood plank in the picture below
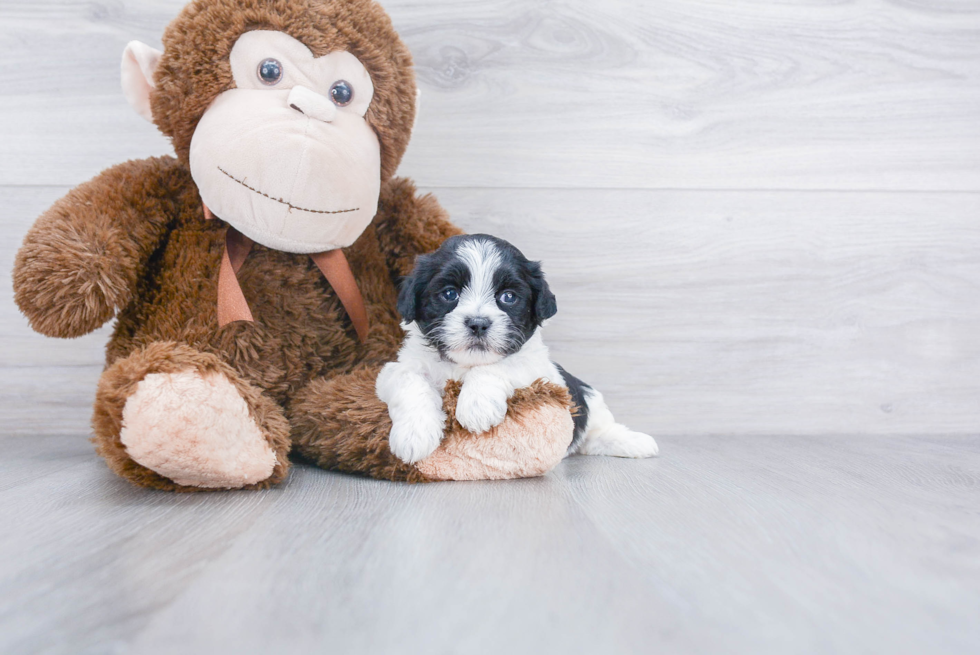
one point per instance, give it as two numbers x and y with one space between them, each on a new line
758 312
736 545
571 94
694 312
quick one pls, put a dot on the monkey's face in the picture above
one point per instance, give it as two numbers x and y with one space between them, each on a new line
287 156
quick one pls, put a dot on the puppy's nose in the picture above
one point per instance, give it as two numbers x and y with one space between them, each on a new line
478 325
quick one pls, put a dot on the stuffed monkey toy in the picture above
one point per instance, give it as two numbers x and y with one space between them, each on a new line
253 277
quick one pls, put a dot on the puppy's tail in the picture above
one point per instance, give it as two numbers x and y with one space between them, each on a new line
596 431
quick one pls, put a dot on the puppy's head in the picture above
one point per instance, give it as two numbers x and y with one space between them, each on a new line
477 299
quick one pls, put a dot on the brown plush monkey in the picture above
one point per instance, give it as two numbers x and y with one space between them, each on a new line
288 118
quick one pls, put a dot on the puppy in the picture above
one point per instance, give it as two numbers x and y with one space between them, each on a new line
471 311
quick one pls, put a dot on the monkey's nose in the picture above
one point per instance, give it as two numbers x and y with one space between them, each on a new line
478 325
311 104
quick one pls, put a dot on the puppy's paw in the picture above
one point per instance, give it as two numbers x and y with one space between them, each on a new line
480 408
619 441
414 437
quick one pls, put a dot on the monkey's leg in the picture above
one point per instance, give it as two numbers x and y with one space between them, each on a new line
171 417
339 423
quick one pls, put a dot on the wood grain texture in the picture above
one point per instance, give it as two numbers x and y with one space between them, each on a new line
809 360
838 545
571 94
758 312
703 313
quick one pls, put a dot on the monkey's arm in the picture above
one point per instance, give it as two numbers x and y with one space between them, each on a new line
81 260
410 225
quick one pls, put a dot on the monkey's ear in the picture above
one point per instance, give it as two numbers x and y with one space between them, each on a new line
139 62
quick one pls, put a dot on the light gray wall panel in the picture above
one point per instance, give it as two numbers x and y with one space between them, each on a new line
759 312
570 94
705 312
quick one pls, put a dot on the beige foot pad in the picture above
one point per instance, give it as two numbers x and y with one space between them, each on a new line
196 430
530 443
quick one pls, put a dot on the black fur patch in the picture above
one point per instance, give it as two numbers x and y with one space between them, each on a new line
418 298
421 296
576 389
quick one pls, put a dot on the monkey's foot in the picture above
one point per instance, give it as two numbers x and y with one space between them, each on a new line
195 429
531 441
168 416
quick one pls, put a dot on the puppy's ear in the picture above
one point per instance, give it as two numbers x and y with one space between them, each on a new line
545 303
412 288
406 299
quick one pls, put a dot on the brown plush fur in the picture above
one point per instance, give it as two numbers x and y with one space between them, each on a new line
536 435
522 403
340 424
133 243
328 413
119 382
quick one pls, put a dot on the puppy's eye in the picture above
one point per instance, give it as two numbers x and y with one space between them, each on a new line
508 297
449 295
270 71
342 93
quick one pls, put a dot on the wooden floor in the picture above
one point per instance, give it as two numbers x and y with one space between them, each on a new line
762 222
722 545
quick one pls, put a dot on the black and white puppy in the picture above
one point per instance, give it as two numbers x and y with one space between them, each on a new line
471 311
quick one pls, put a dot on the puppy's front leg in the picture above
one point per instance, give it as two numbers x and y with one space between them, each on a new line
482 401
415 408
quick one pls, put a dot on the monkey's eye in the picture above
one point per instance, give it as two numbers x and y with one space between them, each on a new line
508 297
270 71
449 295
341 93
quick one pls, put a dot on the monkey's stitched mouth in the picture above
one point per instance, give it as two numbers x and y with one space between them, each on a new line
284 202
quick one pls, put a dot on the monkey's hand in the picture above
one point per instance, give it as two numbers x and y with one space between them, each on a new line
81 260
